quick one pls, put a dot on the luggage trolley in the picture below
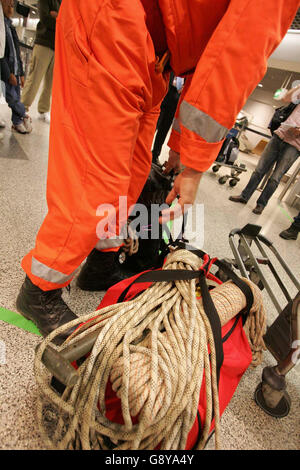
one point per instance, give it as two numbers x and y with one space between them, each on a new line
228 155
282 338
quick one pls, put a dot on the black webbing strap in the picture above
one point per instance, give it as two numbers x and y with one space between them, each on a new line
214 320
168 275
240 283
165 275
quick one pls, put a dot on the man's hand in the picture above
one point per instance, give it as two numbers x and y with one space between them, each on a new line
13 80
22 81
173 163
294 132
185 188
54 14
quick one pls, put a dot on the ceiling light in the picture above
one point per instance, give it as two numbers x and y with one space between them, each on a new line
260 85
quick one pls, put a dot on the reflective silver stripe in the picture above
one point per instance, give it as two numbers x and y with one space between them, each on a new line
176 125
42 271
201 123
109 243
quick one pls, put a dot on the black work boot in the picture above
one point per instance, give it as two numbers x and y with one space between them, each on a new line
46 309
100 271
290 233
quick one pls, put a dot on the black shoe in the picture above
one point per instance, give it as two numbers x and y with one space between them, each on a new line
290 233
238 199
258 209
46 309
100 272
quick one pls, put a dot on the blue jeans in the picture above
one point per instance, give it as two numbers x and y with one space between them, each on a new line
276 152
12 96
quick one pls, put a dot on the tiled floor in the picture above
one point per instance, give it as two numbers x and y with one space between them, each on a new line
23 167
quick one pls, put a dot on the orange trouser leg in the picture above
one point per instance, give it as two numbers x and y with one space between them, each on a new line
101 132
69 240
140 165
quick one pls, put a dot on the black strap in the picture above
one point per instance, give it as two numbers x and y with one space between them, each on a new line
214 320
165 275
241 284
168 275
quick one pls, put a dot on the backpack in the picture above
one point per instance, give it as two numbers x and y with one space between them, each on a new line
281 114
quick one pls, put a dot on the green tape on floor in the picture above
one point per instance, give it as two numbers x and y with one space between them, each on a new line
291 219
18 320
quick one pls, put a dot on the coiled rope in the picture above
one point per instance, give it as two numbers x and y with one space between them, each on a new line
154 351
131 243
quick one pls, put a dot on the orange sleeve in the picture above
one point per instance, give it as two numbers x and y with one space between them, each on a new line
233 63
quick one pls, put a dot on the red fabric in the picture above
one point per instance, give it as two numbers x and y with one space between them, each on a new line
237 358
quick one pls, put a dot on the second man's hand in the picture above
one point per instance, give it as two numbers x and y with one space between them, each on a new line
185 189
173 163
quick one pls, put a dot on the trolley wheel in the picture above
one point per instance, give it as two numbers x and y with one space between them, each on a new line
280 411
233 182
215 168
223 179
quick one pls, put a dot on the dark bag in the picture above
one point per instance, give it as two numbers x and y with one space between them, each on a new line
151 250
281 114
229 151
22 9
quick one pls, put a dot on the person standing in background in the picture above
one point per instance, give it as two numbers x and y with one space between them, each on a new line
282 151
12 73
2 49
42 61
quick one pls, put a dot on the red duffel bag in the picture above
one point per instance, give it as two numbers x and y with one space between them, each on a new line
93 413
237 354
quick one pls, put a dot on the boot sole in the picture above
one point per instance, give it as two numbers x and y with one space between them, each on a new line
288 238
58 340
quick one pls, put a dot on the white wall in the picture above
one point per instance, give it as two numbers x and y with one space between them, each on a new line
287 56
261 116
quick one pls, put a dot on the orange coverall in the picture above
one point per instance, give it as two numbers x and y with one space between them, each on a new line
106 98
